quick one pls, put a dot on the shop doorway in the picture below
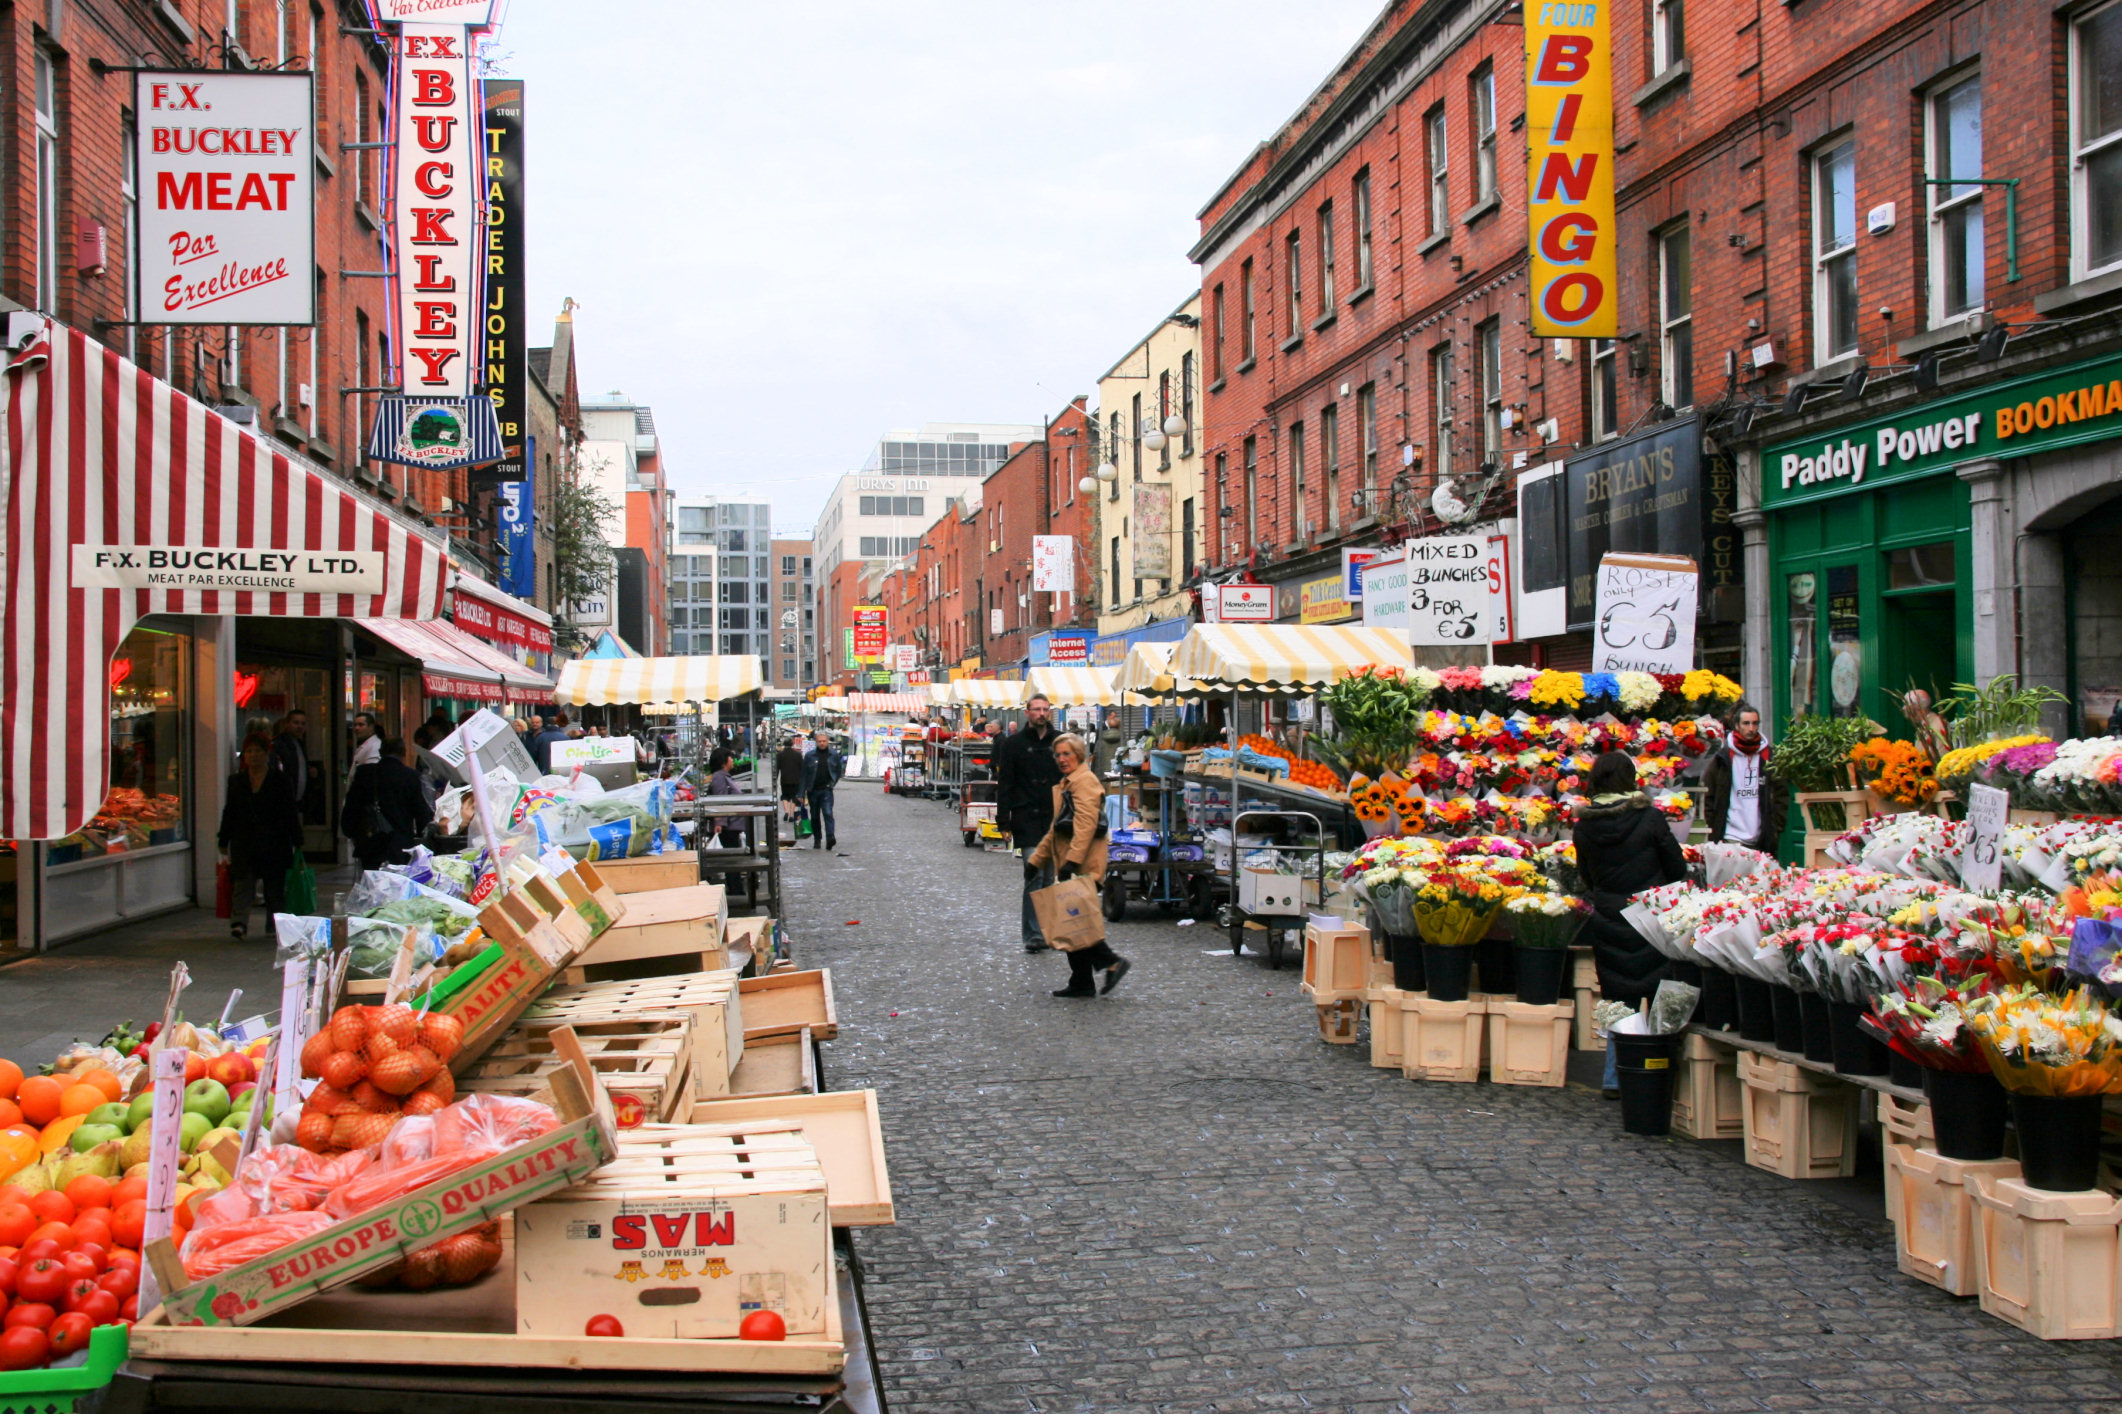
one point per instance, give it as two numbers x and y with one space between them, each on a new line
1919 644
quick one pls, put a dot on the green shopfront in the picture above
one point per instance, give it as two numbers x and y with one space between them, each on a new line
1955 539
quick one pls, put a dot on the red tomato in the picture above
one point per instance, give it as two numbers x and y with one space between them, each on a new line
23 1348
604 1325
7 1277
128 1220
129 1309
84 1264
762 1325
100 1306
93 1226
17 1222
37 1251
42 1280
70 1334
78 1290
28 1313
120 1282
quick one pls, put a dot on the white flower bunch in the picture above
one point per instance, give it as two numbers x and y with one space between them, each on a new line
2078 761
1501 675
1639 691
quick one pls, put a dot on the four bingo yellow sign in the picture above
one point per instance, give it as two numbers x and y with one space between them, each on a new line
1569 118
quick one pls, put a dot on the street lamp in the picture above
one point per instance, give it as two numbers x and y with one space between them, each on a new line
1106 472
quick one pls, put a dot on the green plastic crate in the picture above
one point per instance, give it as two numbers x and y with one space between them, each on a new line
60 1391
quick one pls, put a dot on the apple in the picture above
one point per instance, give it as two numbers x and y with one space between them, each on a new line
194 1128
207 1097
237 1091
230 1069
138 1112
194 1067
112 1114
87 1136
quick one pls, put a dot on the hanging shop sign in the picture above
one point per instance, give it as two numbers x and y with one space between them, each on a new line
1569 128
869 632
1153 530
519 523
436 433
497 622
1068 649
470 14
1385 593
1053 564
1324 601
210 568
1245 603
1447 590
227 221
504 349
1646 615
434 201
1643 496
2017 418
1352 563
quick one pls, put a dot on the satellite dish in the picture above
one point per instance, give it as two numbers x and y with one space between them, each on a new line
1446 503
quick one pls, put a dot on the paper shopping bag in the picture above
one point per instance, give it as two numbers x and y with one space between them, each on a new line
1069 914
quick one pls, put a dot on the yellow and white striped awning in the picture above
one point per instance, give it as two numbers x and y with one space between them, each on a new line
886 702
939 694
1146 675
598 681
987 692
1076 687
1283 657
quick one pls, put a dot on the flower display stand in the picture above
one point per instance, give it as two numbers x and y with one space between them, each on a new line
1584 983
1527 1044
1442 1040
1386 1028
2048 1263
1934 1217
1819 810
1905 1122
1708 1102
1797 1124
1336 976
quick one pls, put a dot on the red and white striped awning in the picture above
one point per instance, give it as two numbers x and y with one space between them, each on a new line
486 612
94 451
445 669
887 702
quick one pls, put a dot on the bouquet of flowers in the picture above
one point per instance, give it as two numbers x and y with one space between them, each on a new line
1956 768
1547 920
1897 770
1924 1019
1456 903
1558 862
2038 1044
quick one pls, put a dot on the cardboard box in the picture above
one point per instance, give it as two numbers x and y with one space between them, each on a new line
650 872
664 931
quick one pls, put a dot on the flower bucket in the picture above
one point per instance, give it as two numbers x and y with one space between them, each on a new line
1447 968
1406 953
1718 1008
1968 1110
1902 1071
1499 965
1754 1007
1790 1020
1645 1068
1856 1051
2059 1140
1538 974
1818 1037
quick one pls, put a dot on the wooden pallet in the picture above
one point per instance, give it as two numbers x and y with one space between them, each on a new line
643 1062
712 998
665 931
776 1065
842 1125
651 872
782 1003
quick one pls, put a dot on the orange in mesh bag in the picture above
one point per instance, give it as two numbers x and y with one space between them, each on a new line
474 1128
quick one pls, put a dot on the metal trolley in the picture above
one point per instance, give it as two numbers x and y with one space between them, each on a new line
1276 901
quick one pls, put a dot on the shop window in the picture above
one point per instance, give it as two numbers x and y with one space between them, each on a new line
1956 250
1921 567
1606 391
1801 613
1835 252
148 800
2096 141
1676 333
1845 643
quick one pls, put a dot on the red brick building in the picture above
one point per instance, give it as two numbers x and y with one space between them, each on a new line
1035 492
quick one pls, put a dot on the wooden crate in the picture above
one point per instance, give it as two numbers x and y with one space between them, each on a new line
1442 1040
1336 963
532 953
785 1002
643 1062
474 1326
776 1065
680 1236
1799 1124
649 873
1387 1031
666 931
1528 1045
1708 1102
1934 1215
245 1294
2049 1263
711 997
1337 1021
845 1129
747 942
1584 986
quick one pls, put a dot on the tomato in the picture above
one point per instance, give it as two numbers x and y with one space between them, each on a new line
23 1348
84 1264
79 1290
94 1226
36 1251
70 1334
762 1325
604 1325
120 1282
17 1222
52 1206
7 1277
99 1306
129 1309
28 1313
42 1280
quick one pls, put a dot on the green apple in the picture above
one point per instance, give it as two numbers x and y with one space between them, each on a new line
195 1127
87 1136
139 1111
112 1113
207 1097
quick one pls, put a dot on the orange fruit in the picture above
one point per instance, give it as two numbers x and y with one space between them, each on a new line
125 1191
104 1080
58 1132
89 1191
17 1150
39 1098
10 1114
79 1099
93 1226
128 1222
10 1079
57 1231
52 1206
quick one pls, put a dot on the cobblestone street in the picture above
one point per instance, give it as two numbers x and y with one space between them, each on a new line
1175 1198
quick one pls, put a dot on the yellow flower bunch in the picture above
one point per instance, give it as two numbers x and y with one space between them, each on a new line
1553 689
1957 765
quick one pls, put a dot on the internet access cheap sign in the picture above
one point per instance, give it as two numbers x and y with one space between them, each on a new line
1569 122
227 219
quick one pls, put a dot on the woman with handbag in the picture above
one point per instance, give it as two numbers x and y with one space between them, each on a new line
1075 847
385 813
259 833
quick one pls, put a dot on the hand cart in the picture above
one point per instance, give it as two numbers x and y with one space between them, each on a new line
1277 900
976 811
1174 886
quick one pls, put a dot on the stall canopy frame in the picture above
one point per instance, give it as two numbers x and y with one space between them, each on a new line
1283 658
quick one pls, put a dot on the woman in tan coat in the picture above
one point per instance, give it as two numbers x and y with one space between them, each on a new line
1076 845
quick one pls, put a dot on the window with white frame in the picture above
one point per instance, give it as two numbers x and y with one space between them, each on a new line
1326 259
1362 204
1668 34
1443 393
1835 252
1293 268
1484 119
2096 141
1250 342
1440 219
1330 454
1606 391
1676 330
1957 254
1299 527
47 185
1367 448
1489 341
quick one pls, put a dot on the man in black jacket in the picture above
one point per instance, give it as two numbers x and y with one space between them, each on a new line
1025 776
822 770
1743 804
385 812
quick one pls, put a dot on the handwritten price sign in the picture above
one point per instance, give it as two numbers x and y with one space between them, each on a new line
1981 870
1646 615
1447 590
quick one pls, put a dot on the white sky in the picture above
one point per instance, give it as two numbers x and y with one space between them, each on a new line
793 226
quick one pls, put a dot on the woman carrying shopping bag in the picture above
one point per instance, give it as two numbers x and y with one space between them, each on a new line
1075 847
260 832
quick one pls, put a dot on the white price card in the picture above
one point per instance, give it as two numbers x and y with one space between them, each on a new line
1981 865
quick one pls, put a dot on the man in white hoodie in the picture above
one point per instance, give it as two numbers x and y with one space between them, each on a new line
1745 806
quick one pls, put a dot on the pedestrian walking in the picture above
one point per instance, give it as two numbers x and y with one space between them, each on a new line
260 831
1624 844
1075 848
1110 741
1025 777
788 770
1744 805
541 744
822 770
729 829
368 743
385 813
290 753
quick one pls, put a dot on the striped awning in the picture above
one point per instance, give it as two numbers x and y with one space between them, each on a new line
987 692
644 680
1146 675
1076 687
830 704
887 702
939 694
1283 657
523 684
101 458
446 670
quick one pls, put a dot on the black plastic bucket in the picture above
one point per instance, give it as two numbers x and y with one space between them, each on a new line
2059 1141
1499 965
1902 1071
1857 1051
1719 1007
1790 1020
1756 1014
1541 973
1819 1042
1449 970
1406 952
1645 1068
1969 1110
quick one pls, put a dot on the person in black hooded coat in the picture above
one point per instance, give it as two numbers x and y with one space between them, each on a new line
1624 845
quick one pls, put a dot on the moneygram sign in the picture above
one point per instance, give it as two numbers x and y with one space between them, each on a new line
227 224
